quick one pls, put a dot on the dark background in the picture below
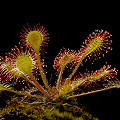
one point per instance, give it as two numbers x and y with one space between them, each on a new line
69 29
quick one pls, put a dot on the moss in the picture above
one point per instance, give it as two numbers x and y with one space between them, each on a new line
44 111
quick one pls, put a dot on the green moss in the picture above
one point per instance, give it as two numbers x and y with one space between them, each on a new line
43 111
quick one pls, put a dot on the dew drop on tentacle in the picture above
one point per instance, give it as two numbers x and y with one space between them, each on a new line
97 42
15 65
37 37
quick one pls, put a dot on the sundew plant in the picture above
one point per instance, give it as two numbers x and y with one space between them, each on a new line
24 64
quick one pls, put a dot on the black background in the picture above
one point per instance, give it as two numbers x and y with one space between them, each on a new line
69 29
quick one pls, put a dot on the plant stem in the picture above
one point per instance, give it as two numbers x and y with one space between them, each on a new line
91 92
24 94
74 71
38 85
16 92
59 78
42 73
